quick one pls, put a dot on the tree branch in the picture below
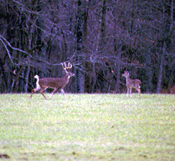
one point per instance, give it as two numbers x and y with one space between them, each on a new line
17 49
7 50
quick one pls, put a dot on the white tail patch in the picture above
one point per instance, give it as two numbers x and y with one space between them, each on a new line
37 77
37 82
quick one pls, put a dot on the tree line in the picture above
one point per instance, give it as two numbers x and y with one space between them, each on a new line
101 38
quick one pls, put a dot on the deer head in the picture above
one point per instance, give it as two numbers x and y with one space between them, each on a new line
125 74
66 67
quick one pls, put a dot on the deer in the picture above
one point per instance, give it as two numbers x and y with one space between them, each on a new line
54 83
131 83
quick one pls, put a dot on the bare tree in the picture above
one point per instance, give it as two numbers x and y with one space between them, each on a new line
102 38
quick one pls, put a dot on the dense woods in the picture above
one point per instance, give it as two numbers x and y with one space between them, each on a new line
101 38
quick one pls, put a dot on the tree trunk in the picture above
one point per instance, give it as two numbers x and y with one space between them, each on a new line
94 77
27 79
161 69
80 22
167 32
103 26
101 30
2 71
86 63
118 66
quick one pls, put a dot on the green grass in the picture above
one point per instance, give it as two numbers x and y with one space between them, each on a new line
87 127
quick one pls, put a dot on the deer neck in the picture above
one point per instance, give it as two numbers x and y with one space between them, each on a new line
127 79
66 77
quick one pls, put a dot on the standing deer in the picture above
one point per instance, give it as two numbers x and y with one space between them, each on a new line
54 83
131 83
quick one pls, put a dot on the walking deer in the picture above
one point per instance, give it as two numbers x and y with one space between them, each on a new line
54 83
131 83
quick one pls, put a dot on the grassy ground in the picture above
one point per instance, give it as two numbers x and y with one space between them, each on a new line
87 127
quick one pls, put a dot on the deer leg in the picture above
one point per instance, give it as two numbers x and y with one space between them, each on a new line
41 91
43 95
139 91
62 91
54 91
130 92
34 90
127 91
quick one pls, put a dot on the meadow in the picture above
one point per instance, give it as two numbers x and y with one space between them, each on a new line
87 127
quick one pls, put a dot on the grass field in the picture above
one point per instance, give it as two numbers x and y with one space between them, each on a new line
87 127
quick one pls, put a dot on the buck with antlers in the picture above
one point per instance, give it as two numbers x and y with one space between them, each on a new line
54 83
131 83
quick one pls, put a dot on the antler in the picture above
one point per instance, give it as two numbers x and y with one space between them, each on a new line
65 67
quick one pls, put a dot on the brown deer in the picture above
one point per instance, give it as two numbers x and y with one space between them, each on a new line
54 83
131 83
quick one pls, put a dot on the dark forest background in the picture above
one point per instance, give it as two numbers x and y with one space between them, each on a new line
101 38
